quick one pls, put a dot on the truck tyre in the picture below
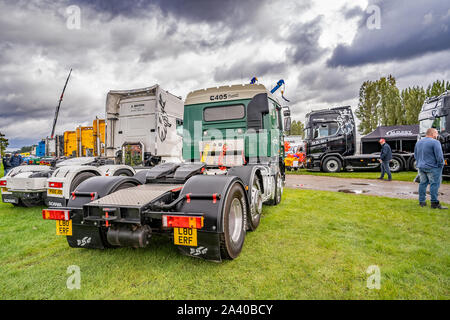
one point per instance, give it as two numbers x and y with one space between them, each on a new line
278 191
234 218
396 165
331 165
123 173
256 202
412 164
79 179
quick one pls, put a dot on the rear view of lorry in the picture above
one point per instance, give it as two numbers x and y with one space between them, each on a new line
25 185
142 126
234 162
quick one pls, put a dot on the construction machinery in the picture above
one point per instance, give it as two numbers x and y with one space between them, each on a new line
233 152
70 144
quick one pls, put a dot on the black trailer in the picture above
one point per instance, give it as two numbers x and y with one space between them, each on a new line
331 143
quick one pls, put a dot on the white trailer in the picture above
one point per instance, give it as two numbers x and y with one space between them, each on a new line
142 126
31 185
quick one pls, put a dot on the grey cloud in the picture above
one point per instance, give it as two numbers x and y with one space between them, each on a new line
247 69
408 29
305 42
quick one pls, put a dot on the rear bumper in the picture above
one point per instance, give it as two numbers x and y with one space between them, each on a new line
14 196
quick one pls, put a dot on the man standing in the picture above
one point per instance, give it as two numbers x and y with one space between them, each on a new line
429 161
385 158
6 164
16 160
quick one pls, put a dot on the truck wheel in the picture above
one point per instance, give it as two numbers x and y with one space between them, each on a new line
123 173
278 191
332 165
413 164
79 179
255 205
234 216
395 165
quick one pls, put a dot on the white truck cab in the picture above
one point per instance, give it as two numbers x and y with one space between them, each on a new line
142 126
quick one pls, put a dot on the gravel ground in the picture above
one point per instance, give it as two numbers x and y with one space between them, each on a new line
392 189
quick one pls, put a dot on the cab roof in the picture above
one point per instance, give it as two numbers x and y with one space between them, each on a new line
233 92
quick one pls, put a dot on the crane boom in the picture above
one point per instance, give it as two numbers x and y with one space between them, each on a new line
59 105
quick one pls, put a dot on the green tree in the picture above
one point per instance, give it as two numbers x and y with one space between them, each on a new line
367 111
412 101
26 149
4 143
297 129
390 107
437 88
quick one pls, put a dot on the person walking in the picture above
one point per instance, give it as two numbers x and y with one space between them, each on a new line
430 162
6 164
385 158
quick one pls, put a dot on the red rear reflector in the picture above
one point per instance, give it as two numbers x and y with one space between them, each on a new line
3 183
55 184
182 222
55 214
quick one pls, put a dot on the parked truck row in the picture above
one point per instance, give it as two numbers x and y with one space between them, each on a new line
232 163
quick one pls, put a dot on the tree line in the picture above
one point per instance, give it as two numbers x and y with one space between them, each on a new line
381 103
4 143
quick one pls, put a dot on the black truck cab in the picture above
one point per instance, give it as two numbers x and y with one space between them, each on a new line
435 113
331 144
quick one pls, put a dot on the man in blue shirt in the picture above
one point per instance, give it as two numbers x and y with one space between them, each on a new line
429 161
385 158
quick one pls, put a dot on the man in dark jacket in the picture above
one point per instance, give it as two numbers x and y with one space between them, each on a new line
6 164
16 160
385 158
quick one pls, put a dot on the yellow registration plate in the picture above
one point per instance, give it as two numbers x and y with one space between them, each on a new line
185 237
63 228
4 189
55 191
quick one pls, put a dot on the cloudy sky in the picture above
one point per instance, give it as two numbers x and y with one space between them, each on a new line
324 50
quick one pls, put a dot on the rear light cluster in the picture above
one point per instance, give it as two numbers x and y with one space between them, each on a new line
182 222
55 214
3 183
55 184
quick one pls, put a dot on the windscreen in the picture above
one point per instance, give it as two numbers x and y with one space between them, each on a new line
437 123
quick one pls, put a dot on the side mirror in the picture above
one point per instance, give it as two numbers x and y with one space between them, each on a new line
287 124
286 112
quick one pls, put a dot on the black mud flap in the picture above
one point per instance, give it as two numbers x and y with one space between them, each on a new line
208 247
89 237
10 198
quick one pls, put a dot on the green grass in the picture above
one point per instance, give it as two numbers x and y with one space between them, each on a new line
399 176
314 245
